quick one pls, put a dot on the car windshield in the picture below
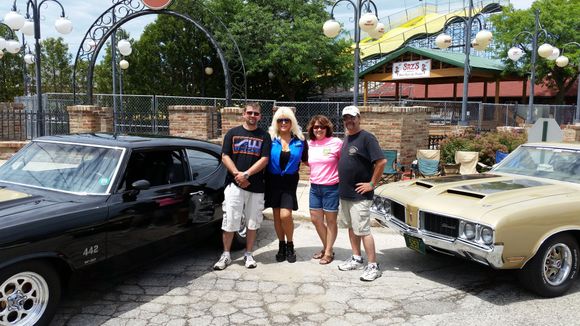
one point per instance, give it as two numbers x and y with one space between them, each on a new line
64 167
545 162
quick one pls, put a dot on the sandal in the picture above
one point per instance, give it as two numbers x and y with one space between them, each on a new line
326 259
318 255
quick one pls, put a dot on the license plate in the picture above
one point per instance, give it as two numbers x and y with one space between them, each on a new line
415 243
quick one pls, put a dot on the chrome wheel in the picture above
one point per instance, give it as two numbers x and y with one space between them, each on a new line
557 264
23 299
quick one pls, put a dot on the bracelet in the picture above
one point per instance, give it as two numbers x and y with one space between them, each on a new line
372 185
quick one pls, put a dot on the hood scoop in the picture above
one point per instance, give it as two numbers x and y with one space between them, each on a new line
481 190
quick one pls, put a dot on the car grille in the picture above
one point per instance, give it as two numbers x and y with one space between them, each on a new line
398 211
440 224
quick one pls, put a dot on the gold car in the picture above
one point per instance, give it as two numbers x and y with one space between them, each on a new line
523 214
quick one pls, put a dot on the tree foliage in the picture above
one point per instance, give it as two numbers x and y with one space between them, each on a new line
11 77
560 19
56 66
278 38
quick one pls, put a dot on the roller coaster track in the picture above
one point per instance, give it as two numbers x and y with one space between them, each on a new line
425 22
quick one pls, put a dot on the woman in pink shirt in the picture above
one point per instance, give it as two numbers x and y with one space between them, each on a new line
323 155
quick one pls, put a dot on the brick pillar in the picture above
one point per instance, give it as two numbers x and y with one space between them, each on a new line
405 129
193 121
231 117
84 118
571 133
104 118
12 121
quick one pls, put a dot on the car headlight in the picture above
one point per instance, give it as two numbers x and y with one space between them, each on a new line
386 208
377 201
486 235
469 231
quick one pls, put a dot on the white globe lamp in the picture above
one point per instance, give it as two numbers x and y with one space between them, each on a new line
208 71
555 54
29 59
484 37
562 61
478 46
63 25
515 53
545 50
443 41
124 64
28 28
14 20
368 22
331 28
124 47
12 46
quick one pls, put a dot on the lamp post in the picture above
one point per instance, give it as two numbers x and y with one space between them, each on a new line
482 40
368 22
545 51
125 49
32 21
562 61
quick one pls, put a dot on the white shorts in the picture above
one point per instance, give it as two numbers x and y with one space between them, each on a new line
355 215
239 203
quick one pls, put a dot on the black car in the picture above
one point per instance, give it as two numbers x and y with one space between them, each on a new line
70 202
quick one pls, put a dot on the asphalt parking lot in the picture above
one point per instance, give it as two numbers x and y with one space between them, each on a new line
414 289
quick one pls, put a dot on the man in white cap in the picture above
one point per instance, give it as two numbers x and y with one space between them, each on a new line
359 169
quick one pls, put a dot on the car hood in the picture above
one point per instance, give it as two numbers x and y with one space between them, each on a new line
474 196
22 205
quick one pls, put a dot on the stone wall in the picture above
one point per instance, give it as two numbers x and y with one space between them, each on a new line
571 133
8 148
12 121
231 117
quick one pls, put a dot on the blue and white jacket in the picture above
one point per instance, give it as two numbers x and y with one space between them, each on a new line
296 147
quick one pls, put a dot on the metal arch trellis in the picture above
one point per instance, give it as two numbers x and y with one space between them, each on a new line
122 12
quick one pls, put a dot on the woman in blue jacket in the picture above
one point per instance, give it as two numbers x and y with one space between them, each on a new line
287 151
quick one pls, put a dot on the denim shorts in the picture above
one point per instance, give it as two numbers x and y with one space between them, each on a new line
324 197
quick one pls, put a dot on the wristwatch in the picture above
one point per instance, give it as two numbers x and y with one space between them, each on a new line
246 175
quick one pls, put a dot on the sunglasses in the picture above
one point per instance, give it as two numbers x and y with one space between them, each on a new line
255 114
318 127
283 121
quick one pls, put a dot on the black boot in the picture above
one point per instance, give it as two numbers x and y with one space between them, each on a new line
281 255
290 253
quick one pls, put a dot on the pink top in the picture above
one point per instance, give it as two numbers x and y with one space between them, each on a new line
323 158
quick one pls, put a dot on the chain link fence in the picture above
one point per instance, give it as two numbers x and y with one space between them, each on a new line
148 114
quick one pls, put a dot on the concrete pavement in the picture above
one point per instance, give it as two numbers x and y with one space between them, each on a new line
414 290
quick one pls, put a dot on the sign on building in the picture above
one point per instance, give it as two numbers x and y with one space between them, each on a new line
412 69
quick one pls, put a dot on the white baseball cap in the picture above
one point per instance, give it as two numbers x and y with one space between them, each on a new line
351 110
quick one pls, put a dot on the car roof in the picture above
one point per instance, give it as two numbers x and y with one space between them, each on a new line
575 146
130 141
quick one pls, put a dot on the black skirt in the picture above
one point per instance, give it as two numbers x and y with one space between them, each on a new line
281 191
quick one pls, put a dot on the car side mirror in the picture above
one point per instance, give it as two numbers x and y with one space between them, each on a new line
141 185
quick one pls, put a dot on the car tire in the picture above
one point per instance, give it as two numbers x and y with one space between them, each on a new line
552 271
239 241
32 289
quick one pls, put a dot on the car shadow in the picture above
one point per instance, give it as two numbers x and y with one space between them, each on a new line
498 287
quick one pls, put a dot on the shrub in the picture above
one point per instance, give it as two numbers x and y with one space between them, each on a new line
486 144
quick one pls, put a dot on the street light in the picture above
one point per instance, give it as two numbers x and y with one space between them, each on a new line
16 22
545 51
481 41
124 47
562 61
368 22
11 45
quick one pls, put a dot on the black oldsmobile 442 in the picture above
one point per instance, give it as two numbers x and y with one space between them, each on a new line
70 202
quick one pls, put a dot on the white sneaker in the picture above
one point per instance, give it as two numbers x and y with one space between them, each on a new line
250 262
351 264
371 273
224 261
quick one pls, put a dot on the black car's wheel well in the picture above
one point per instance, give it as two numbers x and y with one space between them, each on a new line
61 267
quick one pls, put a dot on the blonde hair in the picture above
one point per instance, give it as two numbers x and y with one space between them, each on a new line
285 112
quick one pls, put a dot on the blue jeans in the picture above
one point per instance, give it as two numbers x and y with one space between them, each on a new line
324 197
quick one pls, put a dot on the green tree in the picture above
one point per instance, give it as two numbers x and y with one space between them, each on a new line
56 66
103 71
283 37
11 77
560 19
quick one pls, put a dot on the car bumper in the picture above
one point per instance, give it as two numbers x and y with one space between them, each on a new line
491 256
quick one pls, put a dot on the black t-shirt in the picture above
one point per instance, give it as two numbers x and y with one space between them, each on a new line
357 155
246 147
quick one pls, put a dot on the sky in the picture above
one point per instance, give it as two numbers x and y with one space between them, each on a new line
83 13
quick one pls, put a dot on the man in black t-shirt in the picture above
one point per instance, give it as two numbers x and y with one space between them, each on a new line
360 167
245 153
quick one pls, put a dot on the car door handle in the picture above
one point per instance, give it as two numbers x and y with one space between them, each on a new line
197 193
